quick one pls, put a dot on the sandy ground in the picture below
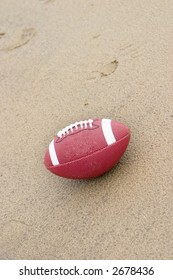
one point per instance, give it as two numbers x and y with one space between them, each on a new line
52 57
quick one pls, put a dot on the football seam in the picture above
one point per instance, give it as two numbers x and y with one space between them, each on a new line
69 162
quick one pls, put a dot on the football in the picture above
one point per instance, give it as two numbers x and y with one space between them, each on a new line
87 149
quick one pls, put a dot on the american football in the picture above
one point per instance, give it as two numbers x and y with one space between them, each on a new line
87 149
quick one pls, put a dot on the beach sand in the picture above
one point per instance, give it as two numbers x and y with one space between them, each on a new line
65 61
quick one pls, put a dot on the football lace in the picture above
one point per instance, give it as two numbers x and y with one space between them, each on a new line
71 127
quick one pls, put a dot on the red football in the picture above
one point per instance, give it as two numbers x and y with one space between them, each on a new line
87 149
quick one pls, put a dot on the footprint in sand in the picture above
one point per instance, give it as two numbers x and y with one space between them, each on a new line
132 50
21 38
105 70
109 68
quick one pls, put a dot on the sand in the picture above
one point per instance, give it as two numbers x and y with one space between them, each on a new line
65 61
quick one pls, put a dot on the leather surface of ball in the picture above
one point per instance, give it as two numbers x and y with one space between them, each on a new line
87 149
